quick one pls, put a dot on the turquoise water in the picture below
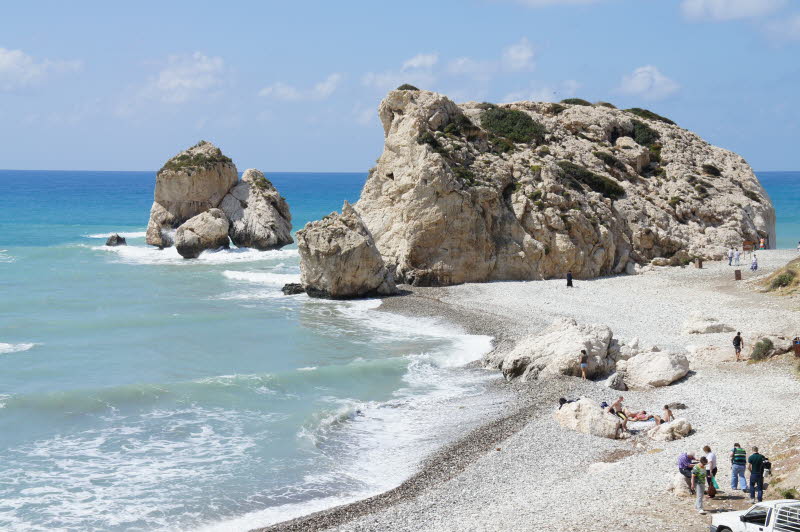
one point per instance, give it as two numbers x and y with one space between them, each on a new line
141 391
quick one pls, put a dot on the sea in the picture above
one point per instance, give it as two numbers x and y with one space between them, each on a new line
141 391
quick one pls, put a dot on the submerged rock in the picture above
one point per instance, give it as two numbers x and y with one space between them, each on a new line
258 214
116 240
188 184
478 192
588 417
290 289
207 230
339 260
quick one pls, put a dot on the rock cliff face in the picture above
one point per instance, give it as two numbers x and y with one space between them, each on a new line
259 215
192 182
338 258
478 192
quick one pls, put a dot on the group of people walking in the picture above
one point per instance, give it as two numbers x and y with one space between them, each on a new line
702 472
734 257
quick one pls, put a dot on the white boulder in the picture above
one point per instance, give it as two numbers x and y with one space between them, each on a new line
678 486
657 368
674 430
207 230
587 417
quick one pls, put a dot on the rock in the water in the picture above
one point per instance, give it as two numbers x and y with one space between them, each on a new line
674 430
290 289
258 214
207 230
116 240
188 184
587 417
616 382
658 368
698 324
461 195
339 260
679 486
556 351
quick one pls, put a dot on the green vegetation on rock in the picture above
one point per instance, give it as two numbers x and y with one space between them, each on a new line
649 115
606 104
556 109
575 101
783 280
195 160
578 175
462 126
610 160
513 125
644 134
407 87
762 349
752 195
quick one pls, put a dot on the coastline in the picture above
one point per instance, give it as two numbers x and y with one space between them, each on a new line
527 405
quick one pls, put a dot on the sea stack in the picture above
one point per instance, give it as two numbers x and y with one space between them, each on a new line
192 182
480 192
339 260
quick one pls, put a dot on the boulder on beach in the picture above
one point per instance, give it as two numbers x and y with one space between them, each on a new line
339 260
654 369
207 230
616 381
116 240
678 486
192 182
478 192
699 324
674 430
587 417
258 214
555 351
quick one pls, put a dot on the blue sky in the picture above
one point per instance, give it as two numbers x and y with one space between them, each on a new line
294 86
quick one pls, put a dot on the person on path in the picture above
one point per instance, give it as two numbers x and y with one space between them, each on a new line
699 484
754 263
712 464
762 244
738 342
584 363
738 462
730 256
736 255
755 464
569 279
685 463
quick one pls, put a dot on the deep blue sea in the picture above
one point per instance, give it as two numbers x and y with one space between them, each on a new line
141 391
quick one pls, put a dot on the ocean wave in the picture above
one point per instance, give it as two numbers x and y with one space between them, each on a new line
266 278
5 257
150 255
124 234
15 348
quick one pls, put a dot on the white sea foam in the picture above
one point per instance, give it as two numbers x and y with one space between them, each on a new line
15 348
309 368
5 257
129 234
170 256
266 278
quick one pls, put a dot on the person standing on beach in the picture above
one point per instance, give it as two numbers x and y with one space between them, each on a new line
754 263
738 461
584 358
737 346
730 257
699 484
755 464
736 255
712 464
569 279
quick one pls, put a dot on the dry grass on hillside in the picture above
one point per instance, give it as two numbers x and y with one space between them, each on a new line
786 280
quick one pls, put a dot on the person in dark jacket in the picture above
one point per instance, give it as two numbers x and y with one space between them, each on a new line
569 278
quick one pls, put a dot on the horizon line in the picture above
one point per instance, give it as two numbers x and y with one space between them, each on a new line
265 171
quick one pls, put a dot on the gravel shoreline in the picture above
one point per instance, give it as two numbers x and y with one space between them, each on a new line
547 478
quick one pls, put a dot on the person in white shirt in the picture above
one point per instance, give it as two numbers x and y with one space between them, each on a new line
736 255
730 255
754 264
711 467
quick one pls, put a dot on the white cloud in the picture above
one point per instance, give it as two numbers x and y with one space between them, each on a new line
421 61
288 93
546 93
185 77
19 70
519 56
466 66
786 29
729 9
649 83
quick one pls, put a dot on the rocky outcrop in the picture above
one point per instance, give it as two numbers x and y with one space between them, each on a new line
291 289
616 381
116 240
653 369
188 184
477 192
587 417
258 214
339 260
699 324
556 351
207 230
674 430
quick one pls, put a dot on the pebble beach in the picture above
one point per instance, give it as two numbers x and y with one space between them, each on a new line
522 471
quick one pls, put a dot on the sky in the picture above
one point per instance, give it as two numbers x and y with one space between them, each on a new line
295 86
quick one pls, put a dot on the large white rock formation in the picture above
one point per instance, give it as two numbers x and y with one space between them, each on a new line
192 182
338 258
258 214
476 192
587 417
654 369
207 230
674 430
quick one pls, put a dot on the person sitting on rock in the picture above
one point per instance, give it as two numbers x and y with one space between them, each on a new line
685 463
618 410
667 417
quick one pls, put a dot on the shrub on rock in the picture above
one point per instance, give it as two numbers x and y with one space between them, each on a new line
514 125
